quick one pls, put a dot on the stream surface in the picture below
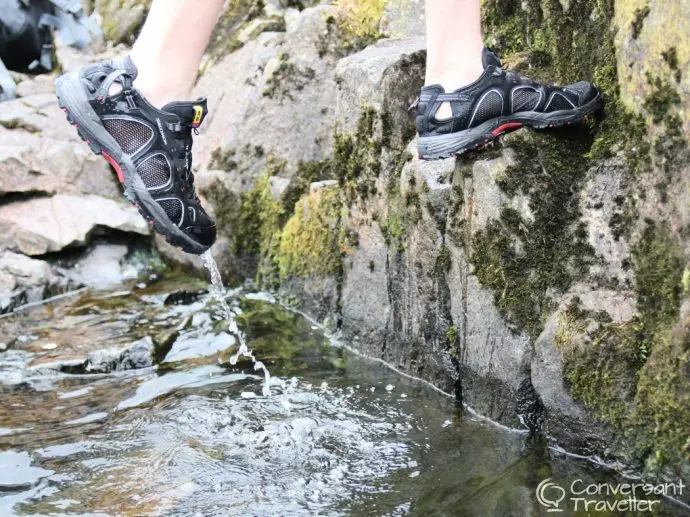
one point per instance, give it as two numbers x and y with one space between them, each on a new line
87 429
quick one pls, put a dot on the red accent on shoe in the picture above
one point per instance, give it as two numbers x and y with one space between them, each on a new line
116 166
506 127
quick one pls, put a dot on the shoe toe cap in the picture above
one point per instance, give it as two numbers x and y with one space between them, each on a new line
205 236
585 91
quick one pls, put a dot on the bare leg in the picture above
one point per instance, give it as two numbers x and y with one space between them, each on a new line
454 45
169 49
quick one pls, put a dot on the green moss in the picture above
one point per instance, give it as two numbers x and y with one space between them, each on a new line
638 21
306 174
661 98
236 14
226 204
635 374
528 262
356 160
603 372
223 159
356 27
258 219
658 264
670 56
311 241
287 78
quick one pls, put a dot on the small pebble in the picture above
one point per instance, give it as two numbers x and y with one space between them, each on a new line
141 285
3 347
390 387
414 474
248 395
49 346
403 396
446 423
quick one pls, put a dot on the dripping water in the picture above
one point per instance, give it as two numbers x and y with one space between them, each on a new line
218 292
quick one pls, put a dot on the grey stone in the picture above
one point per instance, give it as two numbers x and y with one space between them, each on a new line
22 280
41 154
403 19
42 225
318 185
278 185
137 355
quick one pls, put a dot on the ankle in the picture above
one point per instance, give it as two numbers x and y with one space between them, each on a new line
156 86
453 80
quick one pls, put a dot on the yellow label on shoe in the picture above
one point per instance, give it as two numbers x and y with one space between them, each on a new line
198 115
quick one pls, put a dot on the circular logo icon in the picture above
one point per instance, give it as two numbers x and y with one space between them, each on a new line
550 495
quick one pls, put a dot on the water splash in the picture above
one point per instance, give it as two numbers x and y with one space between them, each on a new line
218 292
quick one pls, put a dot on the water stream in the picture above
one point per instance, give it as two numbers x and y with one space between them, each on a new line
89 427
218 292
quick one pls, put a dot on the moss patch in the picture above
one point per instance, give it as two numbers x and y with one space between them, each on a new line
311 241
527 262
287 78
635 374
361 20
236 14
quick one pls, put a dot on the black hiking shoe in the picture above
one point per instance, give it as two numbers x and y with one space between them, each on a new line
498 102
150 149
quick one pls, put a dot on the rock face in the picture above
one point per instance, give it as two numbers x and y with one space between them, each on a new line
545 281
55 197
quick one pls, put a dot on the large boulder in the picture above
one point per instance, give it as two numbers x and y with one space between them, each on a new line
49 224
41 154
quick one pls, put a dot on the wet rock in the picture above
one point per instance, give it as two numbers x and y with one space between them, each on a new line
44 225
16 472
183 297
136 355
22 280
194 345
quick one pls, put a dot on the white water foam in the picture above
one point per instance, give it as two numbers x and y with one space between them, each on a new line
218 292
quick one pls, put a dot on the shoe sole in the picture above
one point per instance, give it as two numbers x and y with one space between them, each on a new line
445 146
73 101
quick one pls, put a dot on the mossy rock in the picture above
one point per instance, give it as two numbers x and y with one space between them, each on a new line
122 19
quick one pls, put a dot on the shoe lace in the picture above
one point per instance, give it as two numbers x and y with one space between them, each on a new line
185 134
105 81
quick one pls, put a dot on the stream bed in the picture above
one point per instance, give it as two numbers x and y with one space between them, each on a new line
124 403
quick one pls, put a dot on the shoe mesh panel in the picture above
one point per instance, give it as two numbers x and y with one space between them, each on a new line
130 134
558 103
525 99
173 209
490 106
154 171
